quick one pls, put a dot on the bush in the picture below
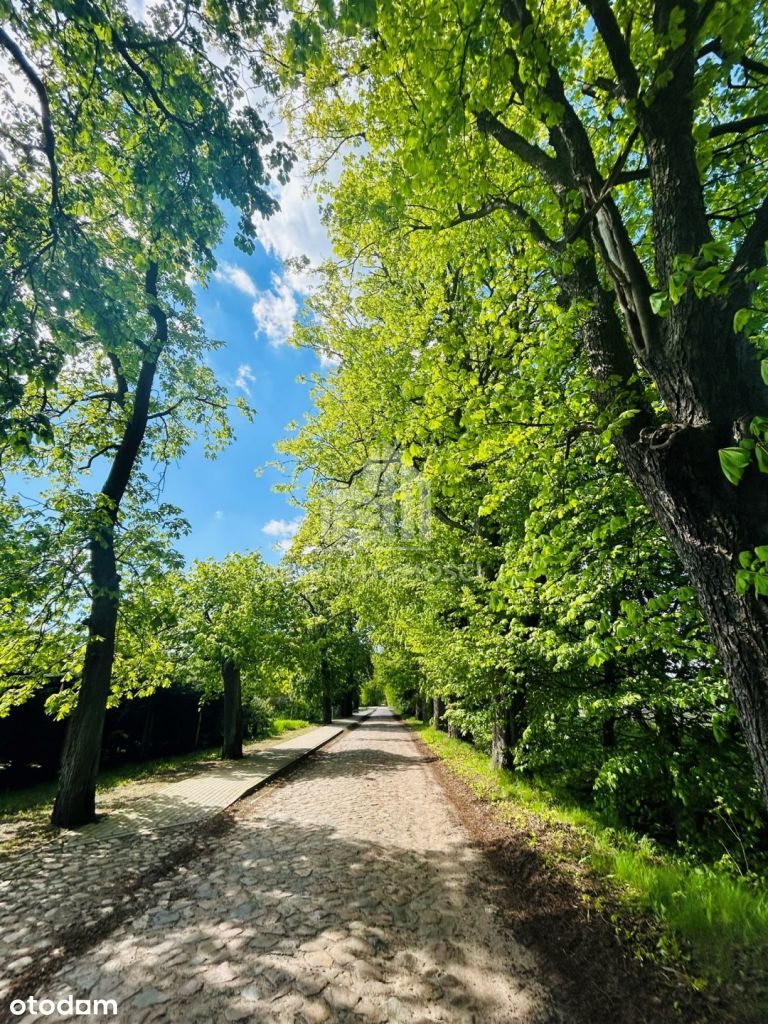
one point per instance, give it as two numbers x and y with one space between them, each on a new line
258 717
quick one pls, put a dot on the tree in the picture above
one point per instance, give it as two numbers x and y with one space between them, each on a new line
458 479
235 618
142 132
618 151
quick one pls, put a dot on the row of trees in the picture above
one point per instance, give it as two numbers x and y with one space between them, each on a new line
121 139
541 460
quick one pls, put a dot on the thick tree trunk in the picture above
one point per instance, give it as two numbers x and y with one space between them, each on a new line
507 727
232 729
501 738
438 710
146 732
75 802
327 696
327 708
708 522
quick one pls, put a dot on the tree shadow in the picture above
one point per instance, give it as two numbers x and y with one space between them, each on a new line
288 921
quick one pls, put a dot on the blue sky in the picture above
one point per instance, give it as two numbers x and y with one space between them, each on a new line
249 305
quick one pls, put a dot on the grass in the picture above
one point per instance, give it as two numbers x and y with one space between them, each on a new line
713 922
21 802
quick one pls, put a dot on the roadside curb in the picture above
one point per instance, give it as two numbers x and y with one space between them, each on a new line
348 726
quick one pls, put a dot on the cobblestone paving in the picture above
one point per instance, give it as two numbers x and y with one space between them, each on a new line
78 880
347 893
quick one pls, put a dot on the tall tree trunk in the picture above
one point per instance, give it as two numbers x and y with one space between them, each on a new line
75 802
508 725
707 375
708 522
425 710
438 710
501 737
232 727
325 678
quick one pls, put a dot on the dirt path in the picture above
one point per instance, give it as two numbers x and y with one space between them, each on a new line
349 892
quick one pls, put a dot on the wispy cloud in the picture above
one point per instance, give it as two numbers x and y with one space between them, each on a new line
229 273
276 310
245 377
296 231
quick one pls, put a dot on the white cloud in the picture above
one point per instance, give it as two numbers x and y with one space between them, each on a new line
245 377
283 528
218 515
275 311
296 231
229 273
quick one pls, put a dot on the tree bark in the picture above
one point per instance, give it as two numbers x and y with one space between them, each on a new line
706 374
438 710
327 696
232 726
75 802
501 737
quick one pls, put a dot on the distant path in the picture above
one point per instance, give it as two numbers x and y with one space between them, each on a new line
349 892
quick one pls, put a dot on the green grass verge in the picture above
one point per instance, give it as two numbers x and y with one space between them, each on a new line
715 922
21 801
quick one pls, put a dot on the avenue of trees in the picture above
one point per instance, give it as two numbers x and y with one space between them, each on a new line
542 456
535 482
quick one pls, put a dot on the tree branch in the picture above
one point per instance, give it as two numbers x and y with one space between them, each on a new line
616 45
49 142
547 165
751 252
737 127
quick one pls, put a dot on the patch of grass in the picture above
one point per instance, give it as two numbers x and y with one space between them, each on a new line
281 725
716 921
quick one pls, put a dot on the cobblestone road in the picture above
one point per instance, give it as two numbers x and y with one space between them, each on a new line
349 892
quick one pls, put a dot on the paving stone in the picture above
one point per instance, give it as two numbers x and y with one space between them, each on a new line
149 997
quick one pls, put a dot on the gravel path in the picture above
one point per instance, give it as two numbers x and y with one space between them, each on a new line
348 892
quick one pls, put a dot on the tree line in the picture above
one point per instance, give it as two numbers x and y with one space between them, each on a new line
542 458
538 470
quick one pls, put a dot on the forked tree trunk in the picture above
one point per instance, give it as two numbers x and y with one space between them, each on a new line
232 727
707 376
507 727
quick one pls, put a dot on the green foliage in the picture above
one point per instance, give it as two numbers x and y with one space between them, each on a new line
462 464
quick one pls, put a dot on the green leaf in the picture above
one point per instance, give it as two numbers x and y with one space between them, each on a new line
741 319
660 303
734 462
